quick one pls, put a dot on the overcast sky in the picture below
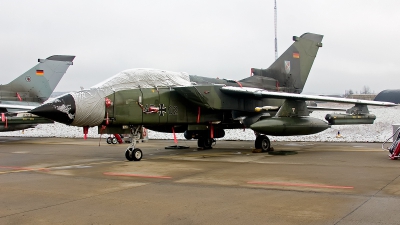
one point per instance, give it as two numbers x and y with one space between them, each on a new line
217 38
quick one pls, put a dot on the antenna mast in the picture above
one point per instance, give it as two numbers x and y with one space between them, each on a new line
276 39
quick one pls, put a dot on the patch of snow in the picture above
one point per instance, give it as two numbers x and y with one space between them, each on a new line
378 132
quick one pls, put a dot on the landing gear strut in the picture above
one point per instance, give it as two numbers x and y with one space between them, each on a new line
132 153
262 142
205 143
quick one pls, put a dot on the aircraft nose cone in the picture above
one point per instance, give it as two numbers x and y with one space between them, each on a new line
61 109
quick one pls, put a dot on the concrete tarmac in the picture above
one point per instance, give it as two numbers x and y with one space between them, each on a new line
75 181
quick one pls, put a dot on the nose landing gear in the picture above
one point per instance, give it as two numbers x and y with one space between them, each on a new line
132 153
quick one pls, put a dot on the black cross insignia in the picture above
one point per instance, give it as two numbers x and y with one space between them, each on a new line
162 110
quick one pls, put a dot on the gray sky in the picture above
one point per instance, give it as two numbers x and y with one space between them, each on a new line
207 38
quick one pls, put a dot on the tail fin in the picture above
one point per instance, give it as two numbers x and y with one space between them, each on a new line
39 82
291 69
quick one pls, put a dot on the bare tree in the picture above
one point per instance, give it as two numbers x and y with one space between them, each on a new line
365 90
348 92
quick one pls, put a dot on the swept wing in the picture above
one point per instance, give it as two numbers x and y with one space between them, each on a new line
261 93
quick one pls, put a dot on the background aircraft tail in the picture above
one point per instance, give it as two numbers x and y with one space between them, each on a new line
39 82
290 71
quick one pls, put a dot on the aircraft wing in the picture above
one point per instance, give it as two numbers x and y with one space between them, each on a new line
261 93
21 107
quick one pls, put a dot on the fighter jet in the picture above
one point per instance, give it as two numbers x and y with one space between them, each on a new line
269 102
30 90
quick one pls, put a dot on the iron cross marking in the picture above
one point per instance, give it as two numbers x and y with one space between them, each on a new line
162 110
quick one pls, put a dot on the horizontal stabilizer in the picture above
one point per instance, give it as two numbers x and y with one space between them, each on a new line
66 58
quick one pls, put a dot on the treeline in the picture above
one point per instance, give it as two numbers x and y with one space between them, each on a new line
364 90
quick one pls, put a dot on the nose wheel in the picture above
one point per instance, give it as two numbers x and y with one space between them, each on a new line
133 154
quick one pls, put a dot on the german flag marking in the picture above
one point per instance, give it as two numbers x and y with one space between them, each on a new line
40 72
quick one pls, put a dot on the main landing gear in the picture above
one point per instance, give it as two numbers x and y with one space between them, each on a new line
205 143
262 142
132 153
115 139
112 140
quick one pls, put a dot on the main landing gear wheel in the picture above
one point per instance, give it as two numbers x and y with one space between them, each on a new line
114 140
133 155
205 143
263 143
109 140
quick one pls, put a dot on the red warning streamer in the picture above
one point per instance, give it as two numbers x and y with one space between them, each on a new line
107 120
85 132
173 131
198 115
211 130
19 97
238 83
101 132
108 102
4 119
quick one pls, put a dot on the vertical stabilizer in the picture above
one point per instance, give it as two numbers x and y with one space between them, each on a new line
39 82
291 69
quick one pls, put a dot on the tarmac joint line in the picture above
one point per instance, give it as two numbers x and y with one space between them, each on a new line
365 202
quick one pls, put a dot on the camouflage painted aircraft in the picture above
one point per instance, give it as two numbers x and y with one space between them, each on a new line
268 102
30 90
